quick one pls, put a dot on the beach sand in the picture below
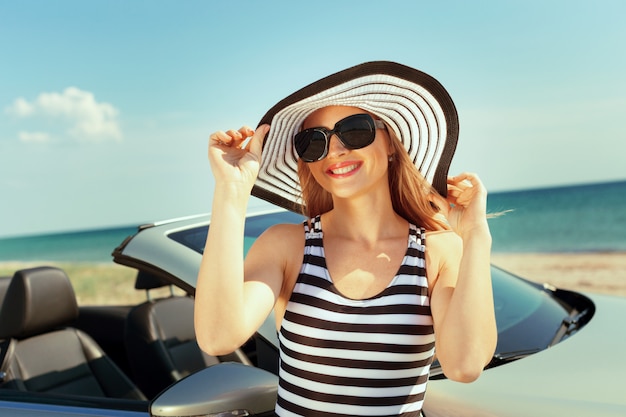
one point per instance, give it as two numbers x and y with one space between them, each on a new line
590 272
95 283
603 273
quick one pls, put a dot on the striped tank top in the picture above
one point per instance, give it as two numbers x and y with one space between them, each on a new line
347 357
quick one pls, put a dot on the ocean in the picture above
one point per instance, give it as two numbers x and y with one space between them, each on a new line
581 218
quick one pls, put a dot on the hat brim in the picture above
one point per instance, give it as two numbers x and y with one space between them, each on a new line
412 103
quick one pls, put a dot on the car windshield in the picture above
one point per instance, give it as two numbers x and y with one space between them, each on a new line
527 316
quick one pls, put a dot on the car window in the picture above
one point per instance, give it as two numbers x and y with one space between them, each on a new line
195 238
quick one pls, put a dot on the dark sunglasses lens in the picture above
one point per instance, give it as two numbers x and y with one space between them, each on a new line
357 131
310 145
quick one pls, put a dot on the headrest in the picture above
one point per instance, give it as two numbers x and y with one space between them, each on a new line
148 281
37 300
4 285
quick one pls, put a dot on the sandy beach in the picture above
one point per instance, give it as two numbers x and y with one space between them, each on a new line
592 272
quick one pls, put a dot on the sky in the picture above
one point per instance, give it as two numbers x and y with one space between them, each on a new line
106 106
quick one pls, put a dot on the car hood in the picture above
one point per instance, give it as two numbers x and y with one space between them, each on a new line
577 377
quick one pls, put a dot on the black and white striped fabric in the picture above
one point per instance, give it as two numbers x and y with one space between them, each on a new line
347 357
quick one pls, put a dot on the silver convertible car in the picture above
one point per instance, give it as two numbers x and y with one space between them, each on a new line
559 353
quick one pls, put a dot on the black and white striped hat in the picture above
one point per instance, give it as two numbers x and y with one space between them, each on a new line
413 104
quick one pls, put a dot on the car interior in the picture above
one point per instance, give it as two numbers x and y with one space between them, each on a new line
44 352
54 351
51 345
160 340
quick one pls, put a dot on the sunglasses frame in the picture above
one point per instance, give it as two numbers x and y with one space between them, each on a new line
336 130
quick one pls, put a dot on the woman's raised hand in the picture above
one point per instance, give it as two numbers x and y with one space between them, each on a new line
235 155
467 201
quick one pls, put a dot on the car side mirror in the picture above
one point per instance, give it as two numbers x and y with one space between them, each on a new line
226 389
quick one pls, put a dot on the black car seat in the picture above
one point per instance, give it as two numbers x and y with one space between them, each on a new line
4 286
161 341
45 354
4 344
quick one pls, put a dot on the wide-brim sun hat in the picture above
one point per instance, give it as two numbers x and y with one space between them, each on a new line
413 104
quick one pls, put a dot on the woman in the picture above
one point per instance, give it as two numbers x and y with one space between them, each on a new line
392 266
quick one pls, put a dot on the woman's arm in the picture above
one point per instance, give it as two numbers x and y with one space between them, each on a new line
228 310
462 298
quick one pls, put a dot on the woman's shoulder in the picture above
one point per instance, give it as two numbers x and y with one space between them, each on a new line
442 234
442 244
280 242
283 236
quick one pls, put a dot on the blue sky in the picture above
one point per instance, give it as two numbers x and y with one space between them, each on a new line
106 106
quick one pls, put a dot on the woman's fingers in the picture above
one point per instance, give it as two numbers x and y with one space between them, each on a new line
231 138
219 138
466 180
465 188
255 145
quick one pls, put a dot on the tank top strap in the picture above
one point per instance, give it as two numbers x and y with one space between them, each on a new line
313 228
417 236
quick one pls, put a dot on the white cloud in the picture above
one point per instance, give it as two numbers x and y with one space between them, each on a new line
84 118
34 137
21 108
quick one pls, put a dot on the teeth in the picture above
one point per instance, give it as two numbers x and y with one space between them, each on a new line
344 170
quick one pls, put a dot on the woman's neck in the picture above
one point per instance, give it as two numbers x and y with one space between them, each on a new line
364 220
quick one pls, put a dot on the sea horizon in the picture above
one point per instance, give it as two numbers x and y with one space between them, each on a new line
565 218
140 223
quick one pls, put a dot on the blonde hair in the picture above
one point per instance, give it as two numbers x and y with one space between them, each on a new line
411 195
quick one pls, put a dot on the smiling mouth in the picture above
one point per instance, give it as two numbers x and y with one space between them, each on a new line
344 170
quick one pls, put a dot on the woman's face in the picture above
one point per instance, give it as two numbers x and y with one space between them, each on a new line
348 172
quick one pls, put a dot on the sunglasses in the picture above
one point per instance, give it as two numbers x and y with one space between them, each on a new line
354 132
